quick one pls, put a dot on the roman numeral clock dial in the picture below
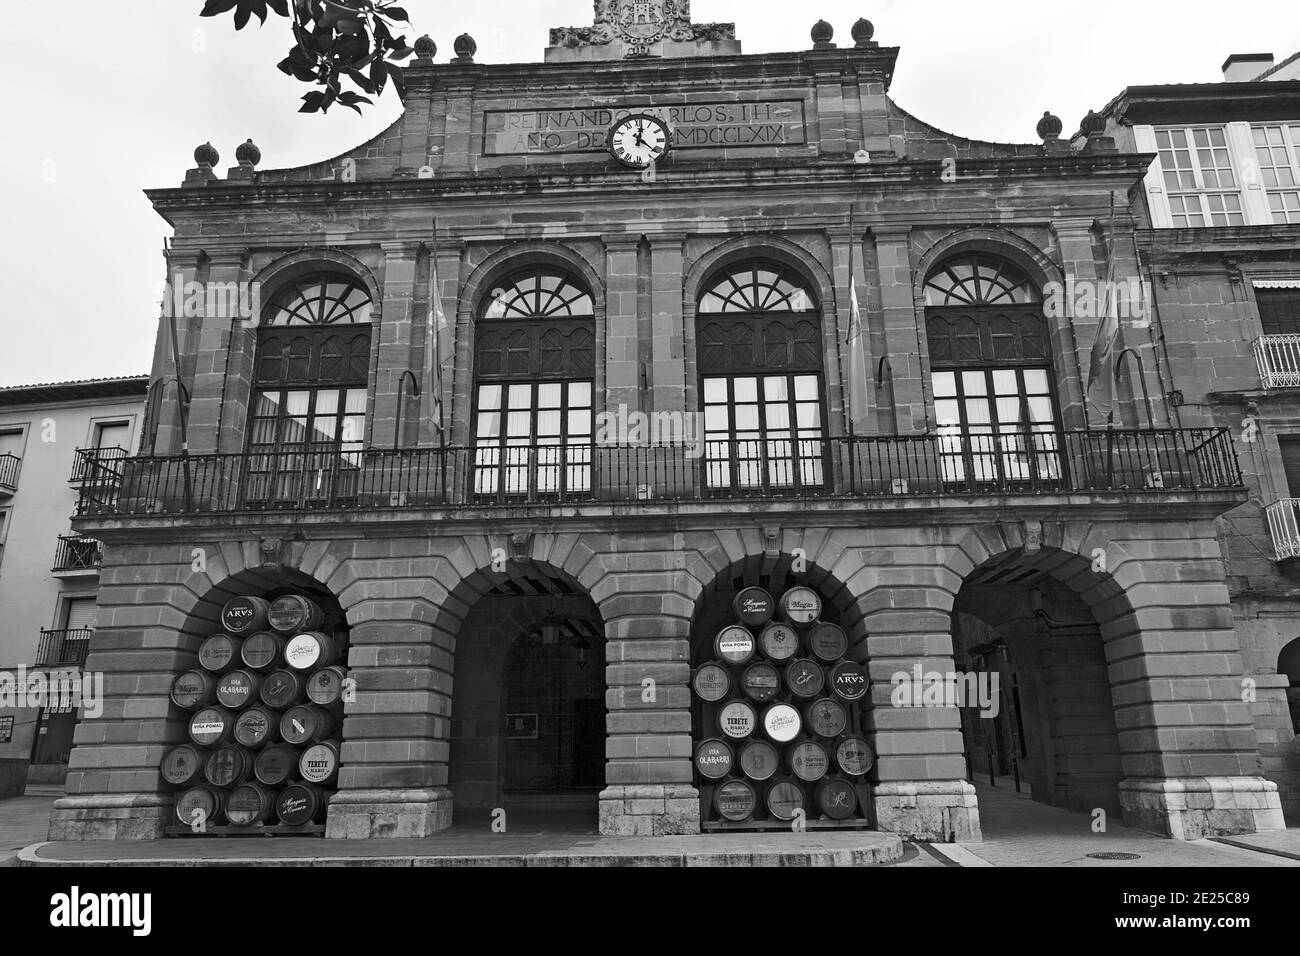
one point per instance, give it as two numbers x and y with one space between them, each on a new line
639 140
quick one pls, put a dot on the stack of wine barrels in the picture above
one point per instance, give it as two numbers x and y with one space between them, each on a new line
781 705
265 718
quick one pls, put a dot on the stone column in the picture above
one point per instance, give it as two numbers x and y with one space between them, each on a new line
395 352
904 332
667 351
922 792
649 770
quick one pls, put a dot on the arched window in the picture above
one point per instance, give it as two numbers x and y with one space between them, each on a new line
535 362
991 373
758 336
308 416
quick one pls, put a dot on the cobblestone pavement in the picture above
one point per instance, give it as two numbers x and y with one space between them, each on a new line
1020 832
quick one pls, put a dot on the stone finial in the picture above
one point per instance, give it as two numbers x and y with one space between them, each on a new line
1093 124
206 156
248 154
1050 127
425 48
863 31
822 34
465 48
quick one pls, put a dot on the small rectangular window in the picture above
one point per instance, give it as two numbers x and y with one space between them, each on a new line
1200 180
1277 150
1279 310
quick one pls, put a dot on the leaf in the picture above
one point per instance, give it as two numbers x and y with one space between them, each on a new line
348 98
395 72
382 32
396 13
401 53
259 8
280 7
214 8
361 80
311 102
242 16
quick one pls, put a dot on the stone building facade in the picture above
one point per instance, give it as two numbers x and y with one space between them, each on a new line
1219 239
971 517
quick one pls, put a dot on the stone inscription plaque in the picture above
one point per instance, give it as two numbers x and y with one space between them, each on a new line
694 126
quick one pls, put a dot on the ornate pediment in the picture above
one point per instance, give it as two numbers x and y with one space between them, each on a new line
642 28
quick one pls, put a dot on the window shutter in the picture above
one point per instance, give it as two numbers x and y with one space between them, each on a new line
81 613
1290 445
1157 202
115 435
11 443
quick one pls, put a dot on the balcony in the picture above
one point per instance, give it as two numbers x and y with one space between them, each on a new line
76 556
1101 462
96 464
64 647
1278 358
9 465
1284 526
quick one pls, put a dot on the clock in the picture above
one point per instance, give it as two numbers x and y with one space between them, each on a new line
639 140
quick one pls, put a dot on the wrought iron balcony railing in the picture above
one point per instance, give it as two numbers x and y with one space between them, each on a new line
94 464
1053 463
1284 526
65 646
1278 358
76 553
9 465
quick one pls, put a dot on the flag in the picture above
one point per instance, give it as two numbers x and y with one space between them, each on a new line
859 407
1102 369
437 346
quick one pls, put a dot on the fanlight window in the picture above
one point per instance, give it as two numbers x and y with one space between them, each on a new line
535 386
538 295
979 281
757 287
321 300
759 347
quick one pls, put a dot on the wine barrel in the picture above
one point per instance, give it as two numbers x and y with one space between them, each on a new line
778 642
238 689
182 766
245 615
282 689
836 798
758 760
212 726
737 720
250 804
760 682
734 644
194 689
735 800
801 606
300 803
781 723
310 650
326 686
257 727
262 651
319 763
805 679
826 717
753 607
207 799
809 761
827 642
276 765
853 755
293 614
848 681
783 799
220 652
712 683
305 723
228 766
714 759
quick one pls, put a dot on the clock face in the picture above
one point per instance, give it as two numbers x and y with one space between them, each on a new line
639 140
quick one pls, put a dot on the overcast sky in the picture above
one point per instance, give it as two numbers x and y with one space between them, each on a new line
108 99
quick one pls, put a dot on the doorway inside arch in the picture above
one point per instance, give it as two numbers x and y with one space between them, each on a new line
1045 727
528 708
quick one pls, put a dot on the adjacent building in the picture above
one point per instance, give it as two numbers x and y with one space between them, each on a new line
49 574
546 373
